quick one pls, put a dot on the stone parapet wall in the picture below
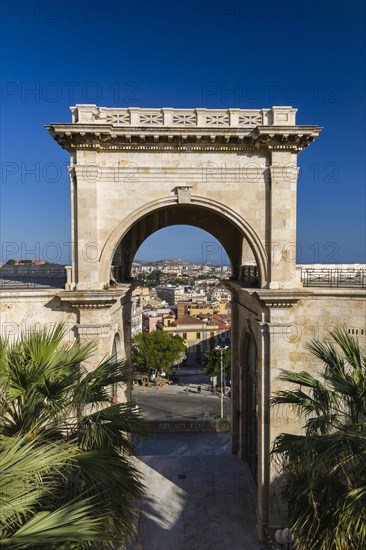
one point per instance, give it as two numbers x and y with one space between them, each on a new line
194 426
183 118
33 276
57 271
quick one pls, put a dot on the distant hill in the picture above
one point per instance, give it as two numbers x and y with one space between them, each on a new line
173 262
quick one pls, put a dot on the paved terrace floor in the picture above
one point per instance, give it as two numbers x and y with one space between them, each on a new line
199 496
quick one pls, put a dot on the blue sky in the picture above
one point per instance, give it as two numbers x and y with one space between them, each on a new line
213 54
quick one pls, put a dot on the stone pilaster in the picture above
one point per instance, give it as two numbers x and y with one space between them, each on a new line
86 244
282 246
263 419
236 413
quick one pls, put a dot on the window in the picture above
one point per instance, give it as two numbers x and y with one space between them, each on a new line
198 335
184 336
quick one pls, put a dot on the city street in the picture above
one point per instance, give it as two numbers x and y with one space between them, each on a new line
180 401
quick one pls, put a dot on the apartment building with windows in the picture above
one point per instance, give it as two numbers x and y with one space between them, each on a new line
199 335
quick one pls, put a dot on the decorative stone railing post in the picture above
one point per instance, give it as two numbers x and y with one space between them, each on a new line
234 117
68 285
283 116
84 113
201 117
168 117
135 116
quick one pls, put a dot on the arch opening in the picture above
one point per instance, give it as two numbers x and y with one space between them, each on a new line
244 250
200 339
187 288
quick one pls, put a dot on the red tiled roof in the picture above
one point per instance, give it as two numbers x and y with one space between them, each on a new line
187 320
221 321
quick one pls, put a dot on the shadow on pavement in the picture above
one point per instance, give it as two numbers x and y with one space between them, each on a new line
199 496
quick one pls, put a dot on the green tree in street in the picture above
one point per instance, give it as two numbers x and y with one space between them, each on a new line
157 350
53 407
325 467
212 361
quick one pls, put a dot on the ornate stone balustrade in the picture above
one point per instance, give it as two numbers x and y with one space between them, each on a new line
202 118
172 130
327 276
249 275
345 276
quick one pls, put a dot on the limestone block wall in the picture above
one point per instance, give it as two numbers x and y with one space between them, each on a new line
111 188
282 323
313 317
24 309
103 319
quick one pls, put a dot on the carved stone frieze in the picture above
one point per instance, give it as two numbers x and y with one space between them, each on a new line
294 139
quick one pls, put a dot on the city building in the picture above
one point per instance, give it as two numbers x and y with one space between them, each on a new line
171 294
199 335
151 317
136 316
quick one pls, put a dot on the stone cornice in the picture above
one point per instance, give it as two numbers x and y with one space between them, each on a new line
90 299
7 294
287 138
287 298
107 137
93 329
279 298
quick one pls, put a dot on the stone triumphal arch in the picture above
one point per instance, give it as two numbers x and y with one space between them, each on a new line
231 172
234 174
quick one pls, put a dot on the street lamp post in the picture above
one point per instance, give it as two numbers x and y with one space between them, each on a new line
222 379
222 384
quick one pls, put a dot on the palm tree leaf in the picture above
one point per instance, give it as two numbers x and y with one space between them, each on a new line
71 461
111 428
349 346
72 522
93 387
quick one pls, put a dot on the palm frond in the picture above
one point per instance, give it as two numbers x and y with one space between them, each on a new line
71 473
349 347
111 427
73 522
95 385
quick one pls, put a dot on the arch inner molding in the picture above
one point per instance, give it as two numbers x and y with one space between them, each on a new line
236 227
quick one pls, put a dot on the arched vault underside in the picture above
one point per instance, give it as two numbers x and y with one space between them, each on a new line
230 236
